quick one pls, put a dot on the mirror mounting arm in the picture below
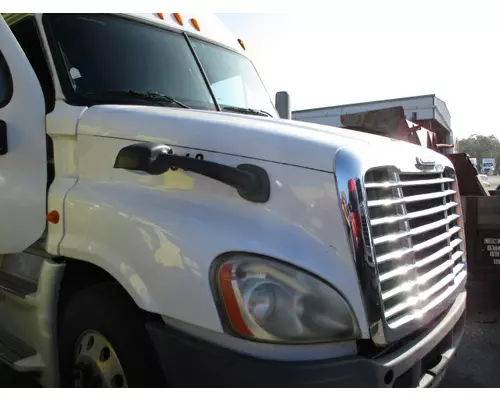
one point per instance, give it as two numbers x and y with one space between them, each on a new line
251 181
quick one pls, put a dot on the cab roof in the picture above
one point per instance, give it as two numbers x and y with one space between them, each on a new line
203 26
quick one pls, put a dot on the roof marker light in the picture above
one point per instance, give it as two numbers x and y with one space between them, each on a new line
241 44
195 24
160 15
178 18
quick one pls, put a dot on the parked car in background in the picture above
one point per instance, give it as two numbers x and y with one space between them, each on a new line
488 166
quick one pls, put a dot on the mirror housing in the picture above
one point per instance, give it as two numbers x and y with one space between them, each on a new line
283 105
143 157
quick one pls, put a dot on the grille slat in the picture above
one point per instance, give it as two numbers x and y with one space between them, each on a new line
407 286
422 296
458 268
439 253
457 255
414 222
396 323
416 231
421 246
425 182
416 214
410 199
401 270
435 272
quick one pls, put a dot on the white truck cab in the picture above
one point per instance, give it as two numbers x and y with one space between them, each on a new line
160 225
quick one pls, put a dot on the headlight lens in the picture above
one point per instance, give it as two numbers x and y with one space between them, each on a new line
268 300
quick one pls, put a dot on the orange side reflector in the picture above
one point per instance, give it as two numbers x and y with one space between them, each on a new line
241 44
53 217
195 24
160 15
178 18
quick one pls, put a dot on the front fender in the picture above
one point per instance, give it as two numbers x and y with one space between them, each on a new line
158 235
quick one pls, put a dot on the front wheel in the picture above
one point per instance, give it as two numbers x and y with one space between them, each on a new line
103 342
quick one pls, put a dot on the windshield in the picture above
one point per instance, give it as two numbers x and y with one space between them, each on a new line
104 53
106 58
233 78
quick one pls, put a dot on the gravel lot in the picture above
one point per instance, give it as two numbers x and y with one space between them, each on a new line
478 357
475 365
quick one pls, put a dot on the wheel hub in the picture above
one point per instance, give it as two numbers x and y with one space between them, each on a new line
96 363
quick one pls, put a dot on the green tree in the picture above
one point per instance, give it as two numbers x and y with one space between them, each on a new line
479 147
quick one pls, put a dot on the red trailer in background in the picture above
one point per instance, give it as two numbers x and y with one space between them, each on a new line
391 122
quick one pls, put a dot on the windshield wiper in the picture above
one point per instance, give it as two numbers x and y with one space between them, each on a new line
249 111
132 94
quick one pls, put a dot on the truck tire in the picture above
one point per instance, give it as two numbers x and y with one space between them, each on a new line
103 341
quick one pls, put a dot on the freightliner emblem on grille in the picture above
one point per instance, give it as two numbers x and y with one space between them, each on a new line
422 163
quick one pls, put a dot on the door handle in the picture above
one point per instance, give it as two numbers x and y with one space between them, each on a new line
4 148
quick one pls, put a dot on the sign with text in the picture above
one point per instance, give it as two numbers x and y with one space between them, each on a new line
489 246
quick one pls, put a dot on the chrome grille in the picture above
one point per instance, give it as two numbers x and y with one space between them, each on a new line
416 237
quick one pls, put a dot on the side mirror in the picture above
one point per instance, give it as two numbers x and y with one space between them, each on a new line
251 181
142 157
283 105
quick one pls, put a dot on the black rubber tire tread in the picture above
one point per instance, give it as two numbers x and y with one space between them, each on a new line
107 309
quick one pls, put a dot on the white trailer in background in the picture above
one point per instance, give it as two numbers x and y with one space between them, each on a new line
428 111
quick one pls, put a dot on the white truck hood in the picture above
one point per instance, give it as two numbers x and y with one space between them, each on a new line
288 142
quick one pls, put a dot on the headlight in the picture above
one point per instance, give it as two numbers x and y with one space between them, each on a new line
271 301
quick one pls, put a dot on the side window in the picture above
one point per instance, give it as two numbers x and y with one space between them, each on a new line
26 33
5 83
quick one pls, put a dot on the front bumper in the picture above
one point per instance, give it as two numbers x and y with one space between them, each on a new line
190 361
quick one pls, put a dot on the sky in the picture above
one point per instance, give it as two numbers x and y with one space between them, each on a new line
362 51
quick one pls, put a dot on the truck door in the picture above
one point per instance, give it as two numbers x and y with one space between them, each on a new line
23 169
